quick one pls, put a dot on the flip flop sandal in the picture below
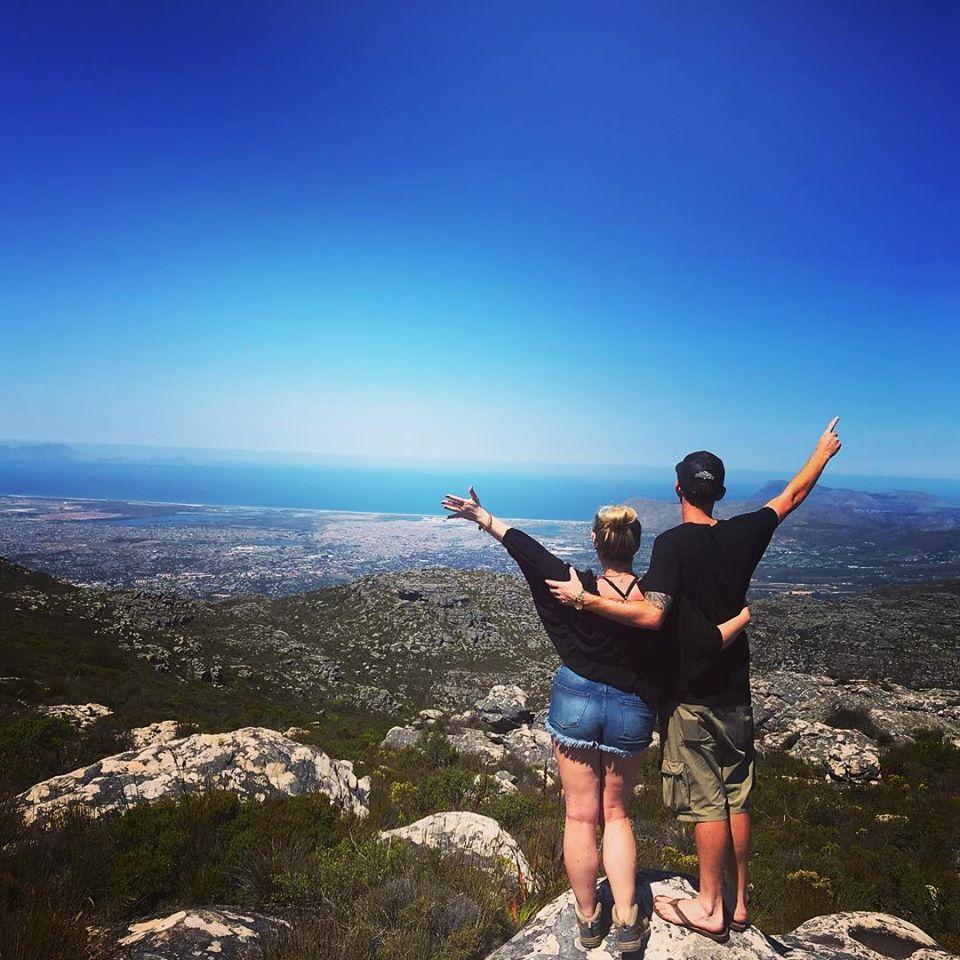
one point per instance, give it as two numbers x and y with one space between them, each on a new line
740 926
722 937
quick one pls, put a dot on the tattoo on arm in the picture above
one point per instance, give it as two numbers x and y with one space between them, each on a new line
661 601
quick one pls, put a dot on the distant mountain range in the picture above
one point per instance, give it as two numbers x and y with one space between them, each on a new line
38 453
60 453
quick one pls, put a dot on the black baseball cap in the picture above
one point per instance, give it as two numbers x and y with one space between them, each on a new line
701 475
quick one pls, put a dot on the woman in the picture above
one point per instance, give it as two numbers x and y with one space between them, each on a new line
602 707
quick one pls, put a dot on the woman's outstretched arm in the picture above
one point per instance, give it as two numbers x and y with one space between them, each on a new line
471 509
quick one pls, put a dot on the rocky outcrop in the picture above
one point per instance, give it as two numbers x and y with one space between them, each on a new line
79 715
219 932
252 762
839 754
861 936
161 732
504 708
551 934
892 710
813 718
472 836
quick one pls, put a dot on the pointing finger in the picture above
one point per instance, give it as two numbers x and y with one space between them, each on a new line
832 425
473 494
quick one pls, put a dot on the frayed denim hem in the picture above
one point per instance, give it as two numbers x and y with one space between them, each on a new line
564 741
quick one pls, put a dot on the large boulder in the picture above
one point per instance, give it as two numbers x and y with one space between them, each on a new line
861 936
551 934
219 932
252 762
470 835
504 708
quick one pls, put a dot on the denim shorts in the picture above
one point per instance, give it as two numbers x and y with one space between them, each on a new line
592 715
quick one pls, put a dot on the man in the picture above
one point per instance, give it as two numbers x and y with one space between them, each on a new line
705 565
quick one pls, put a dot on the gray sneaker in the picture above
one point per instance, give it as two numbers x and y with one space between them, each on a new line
633 931
590 933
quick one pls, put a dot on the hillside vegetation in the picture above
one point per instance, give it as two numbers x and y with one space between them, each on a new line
820 846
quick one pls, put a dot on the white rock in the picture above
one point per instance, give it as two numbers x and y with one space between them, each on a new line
252 762
80 715
473 835
221 932
862 936
551 934
161 732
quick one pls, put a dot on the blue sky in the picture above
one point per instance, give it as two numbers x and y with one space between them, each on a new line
527 232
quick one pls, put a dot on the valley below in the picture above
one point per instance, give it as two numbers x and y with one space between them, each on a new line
216 725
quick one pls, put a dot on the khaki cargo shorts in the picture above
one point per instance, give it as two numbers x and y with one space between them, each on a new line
707 762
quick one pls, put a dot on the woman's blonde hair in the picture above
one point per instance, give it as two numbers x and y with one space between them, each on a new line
616 531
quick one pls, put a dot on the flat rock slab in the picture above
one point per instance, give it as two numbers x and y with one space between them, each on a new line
252 762
218 933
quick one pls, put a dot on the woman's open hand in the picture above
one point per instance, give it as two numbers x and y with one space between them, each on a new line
466 509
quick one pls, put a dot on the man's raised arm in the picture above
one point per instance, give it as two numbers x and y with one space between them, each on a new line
798 489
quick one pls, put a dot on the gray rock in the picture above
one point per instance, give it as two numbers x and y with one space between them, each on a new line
501 783
532 747
839 754
780 697
861 936
400 738
551 934
504 708
429 718
470 835
252 762
475 743
219 932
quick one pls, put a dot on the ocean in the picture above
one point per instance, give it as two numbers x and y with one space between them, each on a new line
563 494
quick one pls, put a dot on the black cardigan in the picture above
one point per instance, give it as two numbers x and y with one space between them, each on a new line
624 657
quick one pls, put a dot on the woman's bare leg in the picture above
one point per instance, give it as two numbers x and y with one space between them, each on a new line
580 773
619 848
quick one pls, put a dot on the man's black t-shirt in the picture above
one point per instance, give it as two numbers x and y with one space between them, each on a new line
707 570
598 649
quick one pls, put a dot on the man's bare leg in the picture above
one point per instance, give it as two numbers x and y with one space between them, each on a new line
740 830
714 851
